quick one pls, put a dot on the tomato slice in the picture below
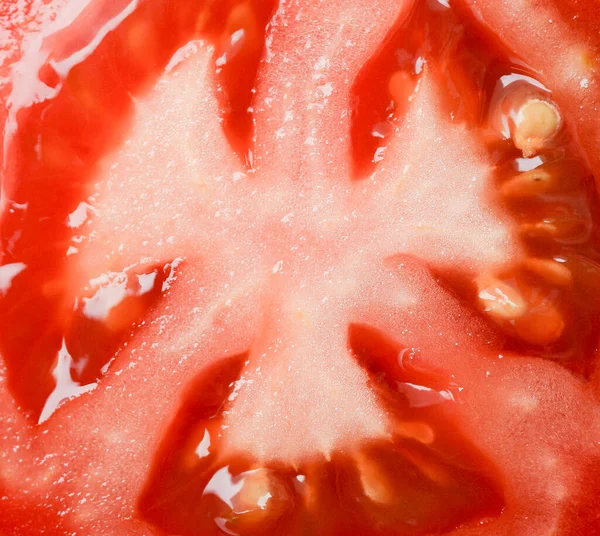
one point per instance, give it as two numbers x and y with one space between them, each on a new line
298 268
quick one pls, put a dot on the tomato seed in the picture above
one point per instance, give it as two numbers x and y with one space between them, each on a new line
500 300
537 121
562 224
542 325
530 183
550 270
264 498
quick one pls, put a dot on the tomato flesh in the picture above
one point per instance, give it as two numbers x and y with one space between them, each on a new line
383 441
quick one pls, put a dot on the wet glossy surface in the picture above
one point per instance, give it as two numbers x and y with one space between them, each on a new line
199 481
474 75
88 91
64 336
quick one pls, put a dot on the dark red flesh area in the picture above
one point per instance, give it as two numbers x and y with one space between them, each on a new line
448 476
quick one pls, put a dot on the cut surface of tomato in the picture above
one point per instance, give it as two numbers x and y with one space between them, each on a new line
298 268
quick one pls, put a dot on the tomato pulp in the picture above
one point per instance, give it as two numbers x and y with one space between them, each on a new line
299 268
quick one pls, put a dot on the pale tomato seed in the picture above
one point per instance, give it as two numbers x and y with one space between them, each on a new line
537 122
530 183
500 300
567 227
197 448
542 325
242 17
550 270
265 496
57 153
